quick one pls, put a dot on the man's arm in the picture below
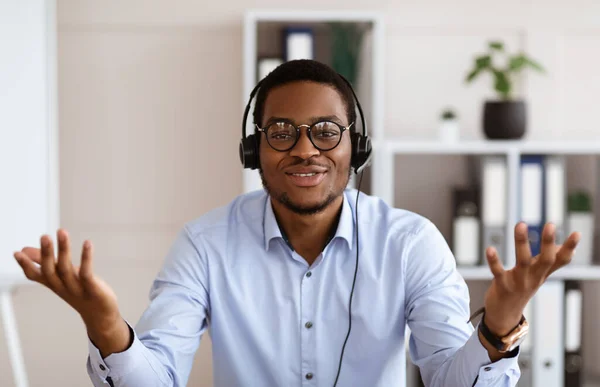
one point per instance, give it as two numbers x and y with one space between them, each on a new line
168 334
448 351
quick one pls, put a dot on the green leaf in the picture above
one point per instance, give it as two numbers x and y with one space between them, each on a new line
483 61
579 201
533 64
496 45
502 84
516 63
472 75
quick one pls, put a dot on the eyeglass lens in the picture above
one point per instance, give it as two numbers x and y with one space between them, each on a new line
324 135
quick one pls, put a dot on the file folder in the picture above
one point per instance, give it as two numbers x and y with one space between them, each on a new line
466 227
526 352
493 204
555 194
573 334
532 198
548 335
298 43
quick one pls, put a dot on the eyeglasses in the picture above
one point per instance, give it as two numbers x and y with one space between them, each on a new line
324 135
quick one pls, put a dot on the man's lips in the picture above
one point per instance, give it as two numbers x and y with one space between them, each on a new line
306 177
305 170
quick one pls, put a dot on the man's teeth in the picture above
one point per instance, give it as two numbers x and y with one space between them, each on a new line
304 174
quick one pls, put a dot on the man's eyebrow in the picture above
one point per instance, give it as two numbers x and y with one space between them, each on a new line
333 118
275 119
311 120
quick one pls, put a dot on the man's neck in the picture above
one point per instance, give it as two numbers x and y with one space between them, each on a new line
308 234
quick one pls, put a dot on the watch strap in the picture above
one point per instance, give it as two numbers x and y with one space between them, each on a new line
491 338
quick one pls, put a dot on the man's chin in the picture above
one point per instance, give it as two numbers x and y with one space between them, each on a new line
305 207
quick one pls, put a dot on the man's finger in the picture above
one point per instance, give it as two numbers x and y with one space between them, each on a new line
32 271
547 254
86 277
33 253
494 262
49 265
522 247
64 267
565 252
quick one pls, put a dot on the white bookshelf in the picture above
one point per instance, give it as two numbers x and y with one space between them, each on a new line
386 151
483 273
506 147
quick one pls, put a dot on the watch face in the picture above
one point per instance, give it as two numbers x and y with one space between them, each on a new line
516 337
516 343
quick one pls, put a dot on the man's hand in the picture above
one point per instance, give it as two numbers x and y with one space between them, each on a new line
91 297
511 290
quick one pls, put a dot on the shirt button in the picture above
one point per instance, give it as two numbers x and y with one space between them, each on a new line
308 325
309 376
487 369
308 274
102 367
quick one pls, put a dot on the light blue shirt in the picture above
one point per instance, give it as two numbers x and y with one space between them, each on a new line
276 321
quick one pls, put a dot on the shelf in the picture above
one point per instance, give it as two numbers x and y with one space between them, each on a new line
291 15
408 146
570 272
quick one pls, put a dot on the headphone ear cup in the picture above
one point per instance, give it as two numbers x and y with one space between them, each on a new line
249 152
361 150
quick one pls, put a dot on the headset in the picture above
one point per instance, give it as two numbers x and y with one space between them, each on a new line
361 143
360 159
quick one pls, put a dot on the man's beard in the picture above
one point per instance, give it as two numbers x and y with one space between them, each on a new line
283 198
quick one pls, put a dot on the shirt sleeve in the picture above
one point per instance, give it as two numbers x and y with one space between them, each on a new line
443 344
168 334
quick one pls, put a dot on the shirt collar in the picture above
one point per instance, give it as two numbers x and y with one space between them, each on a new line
344 229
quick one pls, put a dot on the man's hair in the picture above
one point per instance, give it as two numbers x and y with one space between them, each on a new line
304 70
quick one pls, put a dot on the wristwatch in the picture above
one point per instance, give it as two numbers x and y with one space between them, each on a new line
509 342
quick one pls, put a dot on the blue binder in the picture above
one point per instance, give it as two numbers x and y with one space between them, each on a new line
532 198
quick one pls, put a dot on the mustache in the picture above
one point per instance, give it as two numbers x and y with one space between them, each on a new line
306 163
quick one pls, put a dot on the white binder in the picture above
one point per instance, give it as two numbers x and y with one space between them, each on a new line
493 204
548 335
555 182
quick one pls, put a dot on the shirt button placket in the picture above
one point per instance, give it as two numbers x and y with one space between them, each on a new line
307 335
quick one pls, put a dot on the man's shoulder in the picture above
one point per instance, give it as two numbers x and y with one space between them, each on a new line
244 208
375 212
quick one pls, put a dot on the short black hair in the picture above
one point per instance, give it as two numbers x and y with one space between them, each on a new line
304 70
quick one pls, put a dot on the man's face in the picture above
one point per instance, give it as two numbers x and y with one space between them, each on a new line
328 171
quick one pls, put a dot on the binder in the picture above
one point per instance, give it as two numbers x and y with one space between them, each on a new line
548 352
266 65
493 203
298 43
555 194
532 198
573 334
466 227
526 352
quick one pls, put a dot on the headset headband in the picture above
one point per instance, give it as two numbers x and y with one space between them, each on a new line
255 90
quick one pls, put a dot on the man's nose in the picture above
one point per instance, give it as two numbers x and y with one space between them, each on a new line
304 148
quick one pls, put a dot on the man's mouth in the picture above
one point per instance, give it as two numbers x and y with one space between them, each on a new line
306 179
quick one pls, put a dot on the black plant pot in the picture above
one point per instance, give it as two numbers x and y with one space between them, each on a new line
504 120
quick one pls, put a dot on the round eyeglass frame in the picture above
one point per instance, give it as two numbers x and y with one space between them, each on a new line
308 133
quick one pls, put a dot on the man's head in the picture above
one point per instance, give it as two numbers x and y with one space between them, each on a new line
305 179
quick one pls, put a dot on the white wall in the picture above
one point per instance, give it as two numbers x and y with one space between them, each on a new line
150 115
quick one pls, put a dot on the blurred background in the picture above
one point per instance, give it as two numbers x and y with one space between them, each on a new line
120 121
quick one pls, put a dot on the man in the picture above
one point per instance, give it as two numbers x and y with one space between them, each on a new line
271 274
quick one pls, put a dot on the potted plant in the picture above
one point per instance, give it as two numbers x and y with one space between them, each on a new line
581 218
504 118
448 129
